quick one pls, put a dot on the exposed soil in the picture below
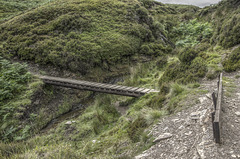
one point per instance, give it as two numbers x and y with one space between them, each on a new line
189 132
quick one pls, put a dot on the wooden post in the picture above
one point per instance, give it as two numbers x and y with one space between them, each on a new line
217 121
214 101
213 114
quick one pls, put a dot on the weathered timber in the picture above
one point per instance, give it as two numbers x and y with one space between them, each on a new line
96 87
216 115
214 100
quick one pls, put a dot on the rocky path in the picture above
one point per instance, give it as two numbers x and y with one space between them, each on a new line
188 134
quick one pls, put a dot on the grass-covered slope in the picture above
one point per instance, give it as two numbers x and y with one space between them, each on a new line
26 105
10 8
80 34
17 86
83 35
225 16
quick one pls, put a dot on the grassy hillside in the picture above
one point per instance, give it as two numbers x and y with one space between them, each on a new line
80 35
11 8
17 86
164 47
225 16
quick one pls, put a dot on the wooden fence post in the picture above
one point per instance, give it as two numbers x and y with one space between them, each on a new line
217 113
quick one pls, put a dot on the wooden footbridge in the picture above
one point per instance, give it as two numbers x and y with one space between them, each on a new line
97 87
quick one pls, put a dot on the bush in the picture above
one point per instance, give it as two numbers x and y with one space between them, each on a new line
153 49
192 33
232 63
161 62
185 72
176 89
187 55
13 78
198 67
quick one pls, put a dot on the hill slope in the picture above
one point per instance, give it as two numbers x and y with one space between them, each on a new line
226 18
10 8
100 39
80 34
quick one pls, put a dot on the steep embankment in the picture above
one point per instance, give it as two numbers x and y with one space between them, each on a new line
225 16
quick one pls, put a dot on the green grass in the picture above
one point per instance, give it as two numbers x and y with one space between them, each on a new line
17 86
11 8
93 38
226 19
82 35
229 86
101 131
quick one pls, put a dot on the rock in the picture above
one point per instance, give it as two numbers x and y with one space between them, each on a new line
70 122
165 128
202 99
163 137
141 156
209 96
233 156
238 114
195 115
189 133
37 102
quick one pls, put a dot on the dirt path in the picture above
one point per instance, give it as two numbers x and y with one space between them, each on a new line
188 134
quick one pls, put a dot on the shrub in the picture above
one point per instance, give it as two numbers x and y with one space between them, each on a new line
164 89
13 78
198 67
192 33
161 62
187 55
185 72
153 49
232 63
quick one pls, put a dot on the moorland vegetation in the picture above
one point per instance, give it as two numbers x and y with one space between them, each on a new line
148 44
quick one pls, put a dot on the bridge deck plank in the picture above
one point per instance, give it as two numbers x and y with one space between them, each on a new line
140 89
94 86
146 91
134 89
